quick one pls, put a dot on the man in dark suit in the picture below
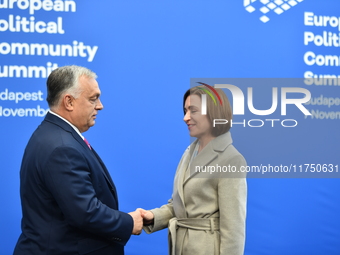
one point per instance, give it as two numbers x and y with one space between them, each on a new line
69 201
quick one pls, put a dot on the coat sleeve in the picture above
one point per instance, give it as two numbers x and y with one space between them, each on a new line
68 178
162 216
232 197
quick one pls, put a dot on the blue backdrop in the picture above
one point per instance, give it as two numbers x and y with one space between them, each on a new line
147 54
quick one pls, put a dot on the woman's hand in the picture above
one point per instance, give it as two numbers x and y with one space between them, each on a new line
148 217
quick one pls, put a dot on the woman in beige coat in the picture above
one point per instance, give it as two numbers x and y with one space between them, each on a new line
207 211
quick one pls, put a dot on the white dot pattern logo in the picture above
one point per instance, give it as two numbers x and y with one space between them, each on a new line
266 7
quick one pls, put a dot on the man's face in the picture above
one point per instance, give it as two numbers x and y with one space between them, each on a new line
87 105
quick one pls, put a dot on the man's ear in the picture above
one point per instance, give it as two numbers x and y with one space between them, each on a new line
68 102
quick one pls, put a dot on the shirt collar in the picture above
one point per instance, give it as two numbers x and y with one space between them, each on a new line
74 127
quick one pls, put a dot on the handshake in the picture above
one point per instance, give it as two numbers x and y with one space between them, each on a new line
141 218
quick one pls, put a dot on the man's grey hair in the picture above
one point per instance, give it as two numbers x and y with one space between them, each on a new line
65 80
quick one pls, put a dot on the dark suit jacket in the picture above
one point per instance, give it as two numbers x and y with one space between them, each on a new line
69 202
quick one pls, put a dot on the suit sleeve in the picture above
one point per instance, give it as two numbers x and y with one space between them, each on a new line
232 197
68 177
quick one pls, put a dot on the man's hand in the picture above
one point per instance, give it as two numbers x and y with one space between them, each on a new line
137 222
148 217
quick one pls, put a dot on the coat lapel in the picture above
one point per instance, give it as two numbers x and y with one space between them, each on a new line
208 154
178 195
202 159
205 157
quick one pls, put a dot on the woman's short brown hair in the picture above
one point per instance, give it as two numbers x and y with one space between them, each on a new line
214 111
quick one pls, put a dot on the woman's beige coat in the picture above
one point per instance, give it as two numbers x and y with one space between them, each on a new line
207 211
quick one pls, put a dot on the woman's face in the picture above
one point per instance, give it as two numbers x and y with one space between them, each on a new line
198 124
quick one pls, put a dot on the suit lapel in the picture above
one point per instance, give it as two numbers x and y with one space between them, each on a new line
105 172
103 169
58 121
